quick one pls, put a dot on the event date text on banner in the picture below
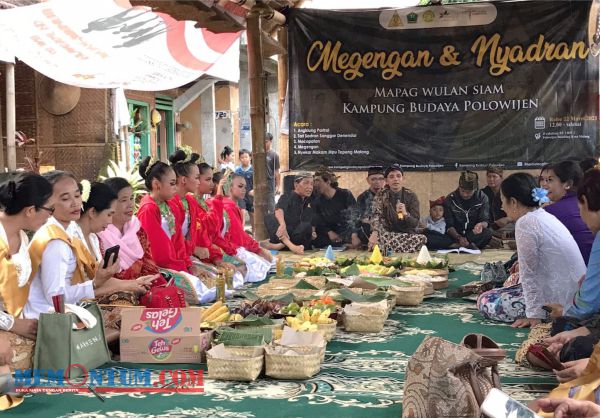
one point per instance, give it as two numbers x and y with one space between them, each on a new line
442 87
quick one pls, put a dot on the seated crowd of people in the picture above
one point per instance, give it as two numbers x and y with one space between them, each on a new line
189 225
317 213
176 231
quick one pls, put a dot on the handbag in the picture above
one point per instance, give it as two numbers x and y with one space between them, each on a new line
447 380
164 296
494 273
58 345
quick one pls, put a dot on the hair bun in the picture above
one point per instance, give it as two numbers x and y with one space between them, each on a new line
143 167
177 157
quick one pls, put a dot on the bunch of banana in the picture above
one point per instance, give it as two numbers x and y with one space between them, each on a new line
315 316
298 324
236 317
375 269
218 312
308 262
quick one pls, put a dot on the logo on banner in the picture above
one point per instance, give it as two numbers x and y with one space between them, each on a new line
540 122
429 16
412 17
395 21
538 136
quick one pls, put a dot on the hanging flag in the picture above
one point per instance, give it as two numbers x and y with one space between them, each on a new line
109 44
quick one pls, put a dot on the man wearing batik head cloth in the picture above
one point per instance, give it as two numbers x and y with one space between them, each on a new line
291 225
467 214
396 216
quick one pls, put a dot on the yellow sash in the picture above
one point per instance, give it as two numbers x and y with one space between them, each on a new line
13 296
87 259
85 269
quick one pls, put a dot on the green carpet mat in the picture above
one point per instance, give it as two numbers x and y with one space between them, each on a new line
362 375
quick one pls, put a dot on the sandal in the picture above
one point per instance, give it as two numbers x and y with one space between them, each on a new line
484 346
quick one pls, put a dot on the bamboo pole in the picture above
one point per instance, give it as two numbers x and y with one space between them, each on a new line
282 83
256 77
282 70
11 118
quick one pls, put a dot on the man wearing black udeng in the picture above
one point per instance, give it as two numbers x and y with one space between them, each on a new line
467 214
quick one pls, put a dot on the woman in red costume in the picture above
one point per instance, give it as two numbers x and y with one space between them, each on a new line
167 243
257 259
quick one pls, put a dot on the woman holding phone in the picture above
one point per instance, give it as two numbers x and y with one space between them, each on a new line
99 202
61 262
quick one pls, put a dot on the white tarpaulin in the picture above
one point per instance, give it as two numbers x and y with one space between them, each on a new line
109 44
5 54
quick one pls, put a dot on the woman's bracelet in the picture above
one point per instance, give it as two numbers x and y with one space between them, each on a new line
7 321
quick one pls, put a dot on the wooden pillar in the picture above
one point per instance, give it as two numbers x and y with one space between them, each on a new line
282 83
257 83
11 118
208 127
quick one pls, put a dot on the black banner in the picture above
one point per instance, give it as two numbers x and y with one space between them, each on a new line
513 85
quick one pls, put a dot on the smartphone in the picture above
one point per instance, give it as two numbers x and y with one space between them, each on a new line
498 404
111 253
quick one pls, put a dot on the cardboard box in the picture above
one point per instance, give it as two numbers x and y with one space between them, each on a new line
170 335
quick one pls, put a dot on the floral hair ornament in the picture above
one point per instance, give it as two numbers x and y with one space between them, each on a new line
86 188
150 165
540 196
228 176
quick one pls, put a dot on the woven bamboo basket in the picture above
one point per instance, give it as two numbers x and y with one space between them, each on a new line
327 330
391 300
271 291
300 367
439 282
302 349
281 283
243 368
408 296
426 284
243 351
316 281
302 293
364 323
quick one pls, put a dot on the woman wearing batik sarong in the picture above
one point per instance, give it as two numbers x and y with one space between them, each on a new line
550 263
